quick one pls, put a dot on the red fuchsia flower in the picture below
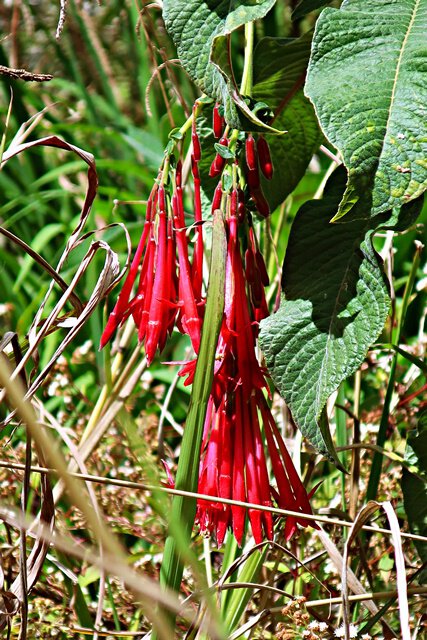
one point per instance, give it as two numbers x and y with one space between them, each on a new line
189 316
197 267
240 432
169 290
122 307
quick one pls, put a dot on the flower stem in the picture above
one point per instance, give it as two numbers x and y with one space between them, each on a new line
247 76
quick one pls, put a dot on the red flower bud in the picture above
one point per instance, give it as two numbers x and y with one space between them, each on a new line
264 157
261 203
217 122
262 269
178 173
216 200
217 166
162 199
197 150
251 153
241 207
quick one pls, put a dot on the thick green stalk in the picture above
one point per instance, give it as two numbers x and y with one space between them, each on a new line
247 76
184 509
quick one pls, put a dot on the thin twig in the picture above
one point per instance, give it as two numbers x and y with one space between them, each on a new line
22 74
61 19
379 595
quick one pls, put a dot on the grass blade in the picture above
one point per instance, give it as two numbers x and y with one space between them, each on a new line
184 509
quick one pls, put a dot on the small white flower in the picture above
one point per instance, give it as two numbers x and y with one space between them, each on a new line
323 626
314 625
366 636
85 347
340 632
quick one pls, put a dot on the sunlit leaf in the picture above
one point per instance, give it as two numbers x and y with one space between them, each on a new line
367 80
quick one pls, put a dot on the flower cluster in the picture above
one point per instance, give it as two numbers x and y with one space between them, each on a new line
169 289
240 434
239 418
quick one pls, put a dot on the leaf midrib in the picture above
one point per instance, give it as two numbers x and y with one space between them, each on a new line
396 75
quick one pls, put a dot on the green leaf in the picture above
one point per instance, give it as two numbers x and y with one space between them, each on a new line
279 73
367 81
223 151
334 305
194 25
414 487
237 603
306 6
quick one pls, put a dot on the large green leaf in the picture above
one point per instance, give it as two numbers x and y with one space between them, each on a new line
367 79
279 73
194 26
414 486
334 306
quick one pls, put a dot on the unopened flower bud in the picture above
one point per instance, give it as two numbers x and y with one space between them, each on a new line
217 122
197 151
261 203
264 158
251 153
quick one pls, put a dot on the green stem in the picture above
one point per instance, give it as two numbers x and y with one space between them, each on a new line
341 435
184 509
375 475
247 76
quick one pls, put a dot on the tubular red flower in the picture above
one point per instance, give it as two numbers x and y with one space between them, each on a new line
238 476
252 486
197 266
118 315
157 311
190 319
140 305
237 315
